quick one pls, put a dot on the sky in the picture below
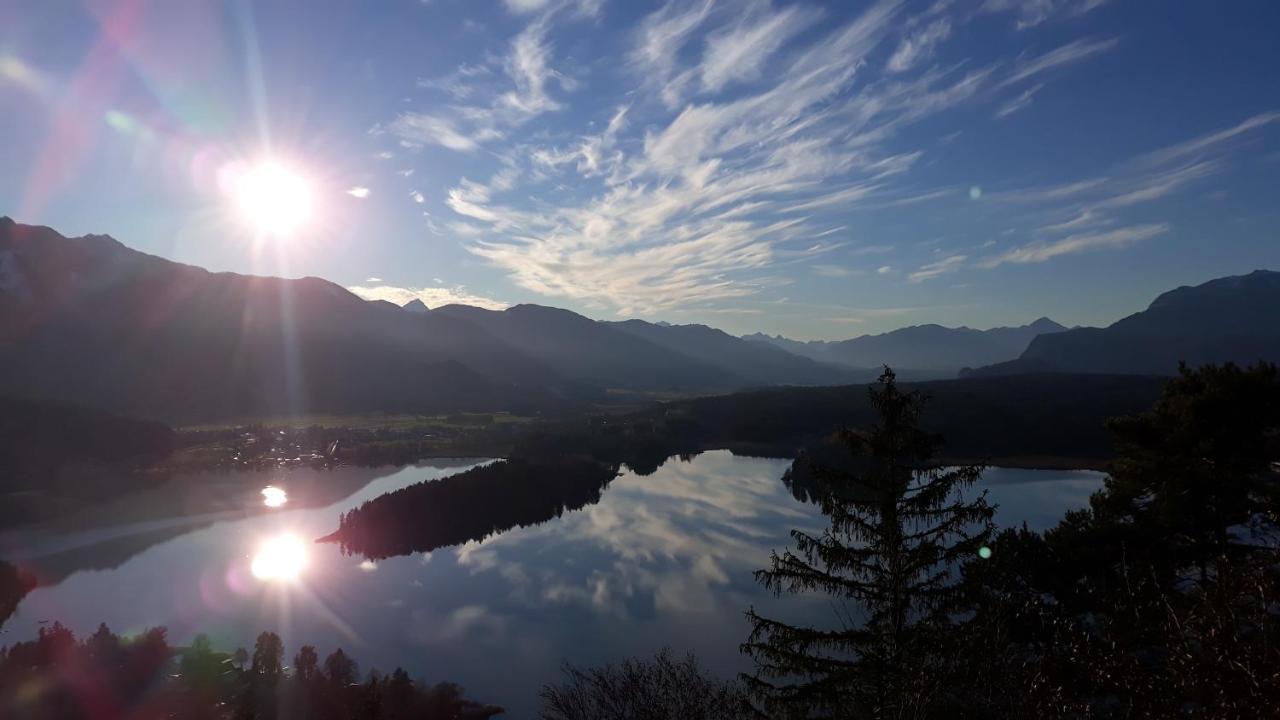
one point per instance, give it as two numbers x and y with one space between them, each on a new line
817 170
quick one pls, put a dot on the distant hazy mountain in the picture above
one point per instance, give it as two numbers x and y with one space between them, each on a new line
416 305
921 347
1229 319
88 320
755 363
593 351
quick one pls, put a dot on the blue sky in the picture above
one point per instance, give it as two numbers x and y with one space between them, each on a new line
820 170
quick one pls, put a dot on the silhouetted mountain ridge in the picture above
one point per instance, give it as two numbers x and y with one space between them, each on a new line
1227 319
88 320
756 363
930 347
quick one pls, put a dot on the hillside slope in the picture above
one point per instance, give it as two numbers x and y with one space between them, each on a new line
1233 319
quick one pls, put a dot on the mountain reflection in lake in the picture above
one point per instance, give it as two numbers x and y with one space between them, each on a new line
664 559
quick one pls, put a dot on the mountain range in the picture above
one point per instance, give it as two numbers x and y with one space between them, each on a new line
920 350
88 320
1234 318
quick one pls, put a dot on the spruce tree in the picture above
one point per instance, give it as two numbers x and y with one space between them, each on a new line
898 528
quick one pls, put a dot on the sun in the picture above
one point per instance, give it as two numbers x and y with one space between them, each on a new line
273 198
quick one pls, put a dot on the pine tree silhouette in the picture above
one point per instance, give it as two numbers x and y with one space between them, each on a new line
899 528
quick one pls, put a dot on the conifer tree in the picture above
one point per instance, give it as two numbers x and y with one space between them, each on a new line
898 527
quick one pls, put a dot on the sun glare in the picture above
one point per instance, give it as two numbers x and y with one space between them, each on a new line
274 497
279 558
273 198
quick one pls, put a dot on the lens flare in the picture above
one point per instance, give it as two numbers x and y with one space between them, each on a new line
279 558
274 497
273 198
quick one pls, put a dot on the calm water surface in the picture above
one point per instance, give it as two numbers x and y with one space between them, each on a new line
662 560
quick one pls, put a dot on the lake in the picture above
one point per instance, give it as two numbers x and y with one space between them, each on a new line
662 560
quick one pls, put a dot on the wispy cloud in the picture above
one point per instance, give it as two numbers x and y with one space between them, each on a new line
416 130
1030 13
1019 102
461 83
1082 219
529 67
358 192
1072 52
918 46
659 41
1041 194
732 162
932 270
529 76
833 271
1157 185
1042 251
673 224
739 52
1204 143
523 7
433 296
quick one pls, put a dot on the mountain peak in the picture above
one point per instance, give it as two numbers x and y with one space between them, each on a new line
416 305
1045 323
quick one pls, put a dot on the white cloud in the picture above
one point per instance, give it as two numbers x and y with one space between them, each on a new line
659 40
434 297
373 279
1049 193
1019 102
1042 251
1067 54
733 156
1033 12
358 192
585 8
417 197
593 155
1084 218
1200 144
460 84
416 130
918 46
524 7
832 271
738 54
941 267
529 67
1157 185
678 220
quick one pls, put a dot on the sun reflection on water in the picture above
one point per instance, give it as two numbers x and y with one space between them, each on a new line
273 496
283 557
